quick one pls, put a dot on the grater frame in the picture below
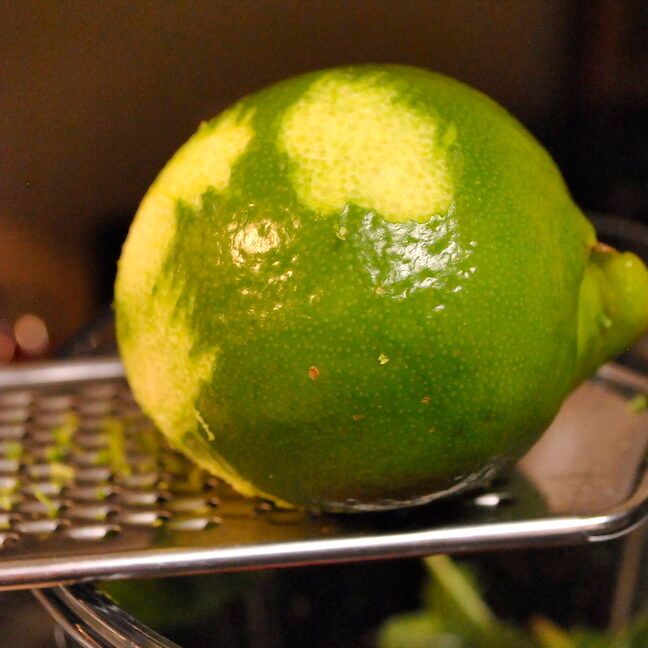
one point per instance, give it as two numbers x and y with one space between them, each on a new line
151 530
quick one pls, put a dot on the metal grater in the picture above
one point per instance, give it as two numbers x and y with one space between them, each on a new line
89 489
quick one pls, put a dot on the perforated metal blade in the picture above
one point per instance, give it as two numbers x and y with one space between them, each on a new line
89 490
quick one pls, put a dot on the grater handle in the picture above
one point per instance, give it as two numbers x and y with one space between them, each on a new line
93 621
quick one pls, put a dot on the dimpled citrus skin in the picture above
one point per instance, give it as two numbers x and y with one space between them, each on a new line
357 288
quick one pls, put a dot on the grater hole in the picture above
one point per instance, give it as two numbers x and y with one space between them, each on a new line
55 403
40 471
12 432
139 498
51 419
95 408
88 458
101 391
42 437
9 465
8 539
140 480
8 483
14 415
50 507
16 399
147 518
7 519
92 532
198 505
178 523
96 512
47 488
93 474
92 493
91 440
43 526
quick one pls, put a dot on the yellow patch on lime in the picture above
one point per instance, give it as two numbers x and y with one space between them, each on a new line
173 378
204 162
351 141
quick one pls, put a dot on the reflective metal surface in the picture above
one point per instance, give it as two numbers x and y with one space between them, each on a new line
140 510
92 621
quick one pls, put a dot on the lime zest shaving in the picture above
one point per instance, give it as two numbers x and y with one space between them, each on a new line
51 507
13 450
114 454
639 403
61 473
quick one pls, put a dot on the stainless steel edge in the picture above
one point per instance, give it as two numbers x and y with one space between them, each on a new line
52 373
624 519
175 561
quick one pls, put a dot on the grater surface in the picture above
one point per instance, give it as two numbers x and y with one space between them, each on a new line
89 489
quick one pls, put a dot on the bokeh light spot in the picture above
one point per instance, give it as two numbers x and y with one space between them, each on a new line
31 335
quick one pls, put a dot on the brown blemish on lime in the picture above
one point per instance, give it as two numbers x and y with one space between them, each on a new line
313 373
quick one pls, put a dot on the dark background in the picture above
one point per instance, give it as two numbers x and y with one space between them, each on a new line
96 95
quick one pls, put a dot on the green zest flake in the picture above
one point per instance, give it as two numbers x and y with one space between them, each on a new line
63 438
102 493
61 473
7 499
51 507
115 454
14 450
639 403
64 432
54 453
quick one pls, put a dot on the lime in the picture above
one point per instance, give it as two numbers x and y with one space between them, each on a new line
364 287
